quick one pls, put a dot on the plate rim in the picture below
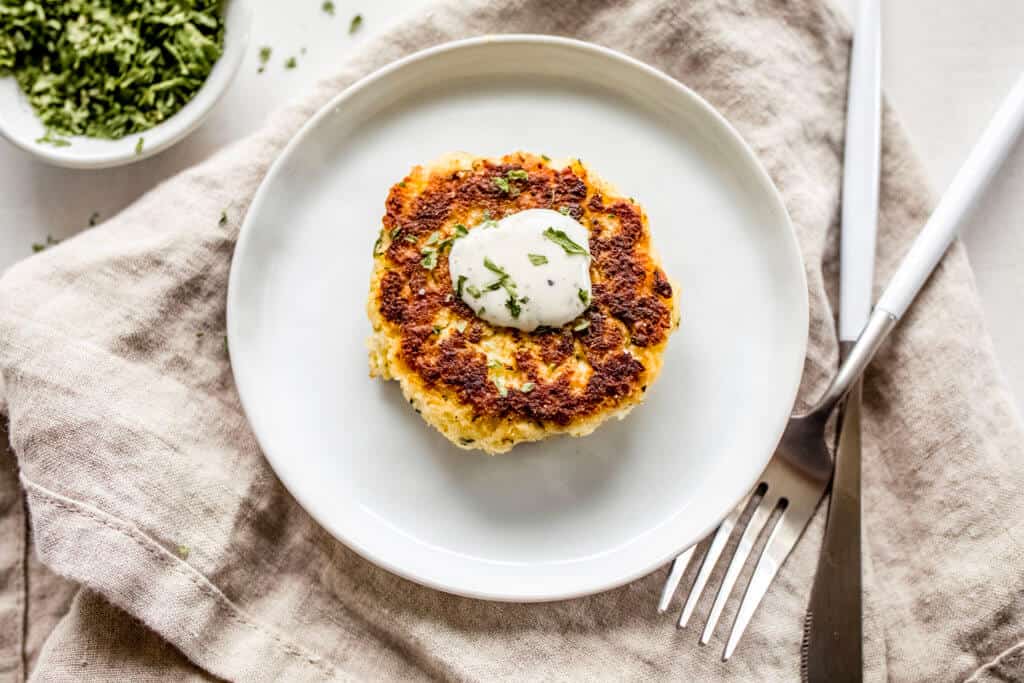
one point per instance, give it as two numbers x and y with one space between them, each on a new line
537 593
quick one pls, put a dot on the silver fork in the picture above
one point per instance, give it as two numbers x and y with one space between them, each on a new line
794 482
798 474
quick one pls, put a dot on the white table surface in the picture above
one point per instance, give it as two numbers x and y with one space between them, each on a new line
947 64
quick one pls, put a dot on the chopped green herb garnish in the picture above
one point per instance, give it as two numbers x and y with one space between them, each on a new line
438 329
461 326
528 387
545 157
433 238
265 53
394 232
460 230
49 137
108 69
474 291
139 144
290 63
491 363
513 306
429 261
224 218
537 259
183 552
482 310
328 7
356 22
505 184
632 201
494 286
410 239
460 285
524 300
584 297
502 391
564 210
494 268
376 246
581 325
564 241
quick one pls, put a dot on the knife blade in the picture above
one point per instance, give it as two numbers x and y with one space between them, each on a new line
832 649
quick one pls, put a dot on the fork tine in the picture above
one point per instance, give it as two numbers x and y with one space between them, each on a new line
783 537
739 558
679 566
711 559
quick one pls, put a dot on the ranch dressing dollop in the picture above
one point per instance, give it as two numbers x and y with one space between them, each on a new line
526 270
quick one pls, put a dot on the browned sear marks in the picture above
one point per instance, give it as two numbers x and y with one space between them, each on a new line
631 295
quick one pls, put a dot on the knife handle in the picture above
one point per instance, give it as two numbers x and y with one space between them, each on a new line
861 173
985 159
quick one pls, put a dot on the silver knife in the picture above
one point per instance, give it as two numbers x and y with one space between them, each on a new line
832 647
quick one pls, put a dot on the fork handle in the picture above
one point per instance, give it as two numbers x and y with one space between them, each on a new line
984 160
963 193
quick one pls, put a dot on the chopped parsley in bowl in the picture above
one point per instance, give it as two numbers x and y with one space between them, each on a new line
94 83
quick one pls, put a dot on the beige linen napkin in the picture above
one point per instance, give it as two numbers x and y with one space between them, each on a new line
146 486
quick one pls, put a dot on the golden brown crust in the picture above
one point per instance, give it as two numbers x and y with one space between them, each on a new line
569 374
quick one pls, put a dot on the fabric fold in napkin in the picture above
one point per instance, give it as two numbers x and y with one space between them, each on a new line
145 485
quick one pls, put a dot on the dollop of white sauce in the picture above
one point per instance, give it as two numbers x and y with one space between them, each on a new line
513 275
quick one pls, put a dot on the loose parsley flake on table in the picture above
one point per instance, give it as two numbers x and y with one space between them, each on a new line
105 68
328 7
356 22
290 63
265 53
41 246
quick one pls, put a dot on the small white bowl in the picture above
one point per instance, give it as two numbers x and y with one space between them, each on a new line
20 125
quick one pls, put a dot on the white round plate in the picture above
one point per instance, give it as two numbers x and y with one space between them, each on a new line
564 517
20 125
